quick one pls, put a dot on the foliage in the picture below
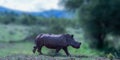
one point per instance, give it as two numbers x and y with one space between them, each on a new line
98 18
7 48
29 19
37 23
71 4
56 27
13 32
110 56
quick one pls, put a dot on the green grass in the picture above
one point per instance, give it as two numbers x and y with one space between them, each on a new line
26 48
13 32
16 48
19 32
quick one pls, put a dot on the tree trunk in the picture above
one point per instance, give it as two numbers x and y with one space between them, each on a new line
100 41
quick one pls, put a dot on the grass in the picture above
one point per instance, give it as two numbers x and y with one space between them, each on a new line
16 48
13 32
26 48
19 32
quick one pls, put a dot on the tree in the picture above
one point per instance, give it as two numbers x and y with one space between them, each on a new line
97 17
28 19
71 4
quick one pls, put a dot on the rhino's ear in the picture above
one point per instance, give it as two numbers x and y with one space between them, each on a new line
72 35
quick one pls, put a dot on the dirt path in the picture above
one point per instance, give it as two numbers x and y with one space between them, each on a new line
42 57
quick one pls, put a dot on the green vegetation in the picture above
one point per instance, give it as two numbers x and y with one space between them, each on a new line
96 25
99 19
12 32
10 48
16 48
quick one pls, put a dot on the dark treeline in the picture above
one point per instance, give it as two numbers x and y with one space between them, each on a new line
28 19
52 25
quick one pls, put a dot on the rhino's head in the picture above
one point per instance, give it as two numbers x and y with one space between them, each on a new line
71 41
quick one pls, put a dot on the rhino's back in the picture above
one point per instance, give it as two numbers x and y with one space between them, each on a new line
52 37
53 41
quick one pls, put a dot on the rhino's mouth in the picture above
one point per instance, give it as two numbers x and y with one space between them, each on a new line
77 45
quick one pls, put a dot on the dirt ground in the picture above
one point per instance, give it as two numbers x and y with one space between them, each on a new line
43 57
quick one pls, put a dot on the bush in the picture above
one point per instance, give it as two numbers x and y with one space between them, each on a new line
57 29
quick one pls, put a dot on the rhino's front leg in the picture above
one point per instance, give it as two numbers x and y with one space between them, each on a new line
66 51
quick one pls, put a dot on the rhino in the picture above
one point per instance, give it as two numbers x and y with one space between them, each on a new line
55 41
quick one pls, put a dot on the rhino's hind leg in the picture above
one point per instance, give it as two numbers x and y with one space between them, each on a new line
66 51
39 50
34 49
57 50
